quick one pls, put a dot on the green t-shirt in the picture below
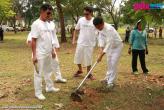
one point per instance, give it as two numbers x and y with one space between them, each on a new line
138 39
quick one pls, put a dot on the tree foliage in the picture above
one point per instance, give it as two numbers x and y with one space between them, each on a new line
5 10
108 8
130 16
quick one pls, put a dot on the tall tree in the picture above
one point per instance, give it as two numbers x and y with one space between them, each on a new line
5 10
108 7
17 8
31 11
61 19
73 10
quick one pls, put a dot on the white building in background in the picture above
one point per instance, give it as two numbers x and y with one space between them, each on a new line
20 21
8 25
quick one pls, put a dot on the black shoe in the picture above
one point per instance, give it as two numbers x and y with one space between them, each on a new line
78 73
146 73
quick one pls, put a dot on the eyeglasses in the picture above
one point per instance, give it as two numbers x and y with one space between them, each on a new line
49 13
86 14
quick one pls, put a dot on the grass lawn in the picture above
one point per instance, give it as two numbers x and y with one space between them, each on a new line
131 92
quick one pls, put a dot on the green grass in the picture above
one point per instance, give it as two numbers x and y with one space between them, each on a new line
131 92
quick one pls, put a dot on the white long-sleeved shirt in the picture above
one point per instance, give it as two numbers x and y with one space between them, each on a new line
55 41
109 38
29 38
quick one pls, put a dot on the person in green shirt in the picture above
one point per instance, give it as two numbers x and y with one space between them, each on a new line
138 47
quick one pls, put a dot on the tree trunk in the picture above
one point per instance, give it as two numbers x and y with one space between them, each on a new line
148 30
61 19
14 24
29 23
74 18
114 21
1 21
116 26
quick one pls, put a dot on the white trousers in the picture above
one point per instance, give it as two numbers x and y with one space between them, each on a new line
83 55
44 67
112 61
56 67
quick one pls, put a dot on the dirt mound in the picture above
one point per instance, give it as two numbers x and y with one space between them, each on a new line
91 98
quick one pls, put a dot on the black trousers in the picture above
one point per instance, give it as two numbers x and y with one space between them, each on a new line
1 37
141 54
126 38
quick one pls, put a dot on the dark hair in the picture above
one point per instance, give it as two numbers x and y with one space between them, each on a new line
46 7
89 9
98 20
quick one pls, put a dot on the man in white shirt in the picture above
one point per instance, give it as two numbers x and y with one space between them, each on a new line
85 43
55 61
42 49
110 43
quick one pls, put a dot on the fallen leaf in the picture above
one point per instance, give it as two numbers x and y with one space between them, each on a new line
59 106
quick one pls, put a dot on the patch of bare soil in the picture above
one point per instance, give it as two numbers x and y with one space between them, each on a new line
8 90
158 104
91 98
